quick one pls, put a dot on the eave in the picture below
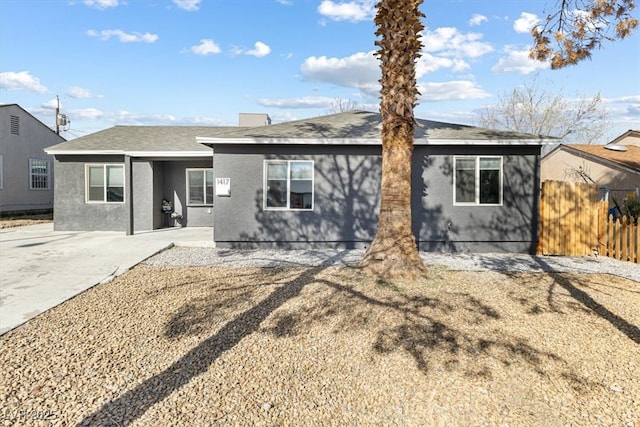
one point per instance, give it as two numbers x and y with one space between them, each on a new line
368 141
129 153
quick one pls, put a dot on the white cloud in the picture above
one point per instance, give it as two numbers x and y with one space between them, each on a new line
127 117
260 49
525 23
51 104
477 19
86 114
633 110
188 5
21 81
302 102
448 41
354 11
101 4
360 70
518 61
285 2
624 99
81 93
123 36
428 63
206 47
452 90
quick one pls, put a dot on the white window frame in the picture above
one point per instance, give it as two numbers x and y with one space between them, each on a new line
477 180
288 207
104 167
204 186
46 175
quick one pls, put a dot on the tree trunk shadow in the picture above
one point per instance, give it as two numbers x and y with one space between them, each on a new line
135 402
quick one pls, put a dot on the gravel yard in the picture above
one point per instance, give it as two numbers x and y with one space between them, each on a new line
321 344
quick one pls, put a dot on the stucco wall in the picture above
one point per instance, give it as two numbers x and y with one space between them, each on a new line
347 181
143 172
153 181
345 198
175 190
16 150
441 226
71 212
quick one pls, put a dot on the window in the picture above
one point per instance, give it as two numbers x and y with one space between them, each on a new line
288 184
105 183
14 124
38 174
478 180
200 187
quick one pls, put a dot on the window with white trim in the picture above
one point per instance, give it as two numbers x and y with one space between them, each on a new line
104 183
288 184
38 174
200 187
477 180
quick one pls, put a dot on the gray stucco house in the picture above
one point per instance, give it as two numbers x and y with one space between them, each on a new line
305 183
26 171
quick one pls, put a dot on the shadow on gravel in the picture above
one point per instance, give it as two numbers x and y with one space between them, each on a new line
436 328
135 402
582 297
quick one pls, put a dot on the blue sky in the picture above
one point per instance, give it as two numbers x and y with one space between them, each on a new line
201 62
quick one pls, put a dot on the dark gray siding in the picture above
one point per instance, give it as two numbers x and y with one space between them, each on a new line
345 198
158 193
153 180
143 173
347 181
175 190
441 226
71 212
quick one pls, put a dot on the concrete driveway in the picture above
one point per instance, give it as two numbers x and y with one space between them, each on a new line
41 268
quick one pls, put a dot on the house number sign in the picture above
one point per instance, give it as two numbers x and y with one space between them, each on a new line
223 186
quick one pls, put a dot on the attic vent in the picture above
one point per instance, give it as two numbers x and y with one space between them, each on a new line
15 125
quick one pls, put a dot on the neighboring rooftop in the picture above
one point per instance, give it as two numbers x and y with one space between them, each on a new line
629 158
630 137
13 106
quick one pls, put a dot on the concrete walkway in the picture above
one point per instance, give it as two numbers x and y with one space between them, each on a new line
41 268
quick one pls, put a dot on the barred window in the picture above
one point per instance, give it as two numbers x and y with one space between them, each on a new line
38 174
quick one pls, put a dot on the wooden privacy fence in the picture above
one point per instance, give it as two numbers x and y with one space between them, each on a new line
574 223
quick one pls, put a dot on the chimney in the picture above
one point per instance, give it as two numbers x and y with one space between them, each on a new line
253 119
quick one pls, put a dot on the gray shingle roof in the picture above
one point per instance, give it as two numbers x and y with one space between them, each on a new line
364 124
144 139
335 128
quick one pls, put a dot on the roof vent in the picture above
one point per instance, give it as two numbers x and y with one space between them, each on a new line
615 147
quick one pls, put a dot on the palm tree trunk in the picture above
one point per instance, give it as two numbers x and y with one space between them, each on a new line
393 253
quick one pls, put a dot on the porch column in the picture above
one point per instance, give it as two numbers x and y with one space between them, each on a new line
128 191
